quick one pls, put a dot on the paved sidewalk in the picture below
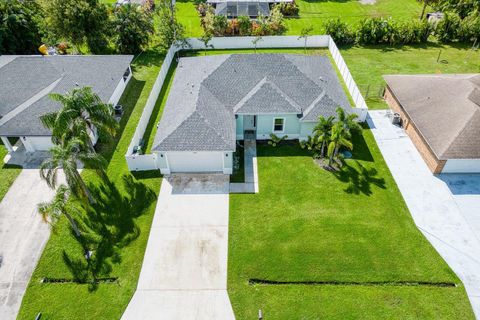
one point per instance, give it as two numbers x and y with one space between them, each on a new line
184 272
251 171
432 205
23 236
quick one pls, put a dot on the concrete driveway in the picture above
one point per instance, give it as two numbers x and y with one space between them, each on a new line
23 236
445 208
184 272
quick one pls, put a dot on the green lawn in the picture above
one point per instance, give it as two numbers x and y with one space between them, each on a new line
8 173
314 13
368 64
350 232
126 208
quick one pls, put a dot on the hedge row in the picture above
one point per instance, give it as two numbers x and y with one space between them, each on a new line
388 31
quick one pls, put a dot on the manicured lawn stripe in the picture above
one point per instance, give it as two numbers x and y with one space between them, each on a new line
8 173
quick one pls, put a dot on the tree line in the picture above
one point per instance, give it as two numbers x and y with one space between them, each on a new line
84 25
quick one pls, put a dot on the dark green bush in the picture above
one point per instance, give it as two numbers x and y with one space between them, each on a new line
448 28
339 31
288 9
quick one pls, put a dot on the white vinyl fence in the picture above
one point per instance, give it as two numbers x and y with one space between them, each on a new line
139 162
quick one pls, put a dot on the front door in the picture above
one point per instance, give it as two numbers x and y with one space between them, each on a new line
249 123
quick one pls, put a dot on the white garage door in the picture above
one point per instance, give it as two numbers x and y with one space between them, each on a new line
195 161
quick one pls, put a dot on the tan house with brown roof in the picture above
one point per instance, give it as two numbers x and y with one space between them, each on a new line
441 114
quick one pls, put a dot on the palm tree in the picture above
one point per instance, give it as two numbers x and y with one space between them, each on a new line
322 132
82 114
53 210
339 138
349 121
66 156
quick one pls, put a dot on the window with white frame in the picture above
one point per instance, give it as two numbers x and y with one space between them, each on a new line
278 125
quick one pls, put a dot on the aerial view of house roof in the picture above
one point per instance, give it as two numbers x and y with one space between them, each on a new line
445 109
207 92
27 81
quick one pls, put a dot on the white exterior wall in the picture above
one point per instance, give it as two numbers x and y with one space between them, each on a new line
33 144
122 84
462 166
194 162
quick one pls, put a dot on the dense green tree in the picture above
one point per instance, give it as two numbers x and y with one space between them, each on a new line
20 26
463 8
79 22
168 28
133 28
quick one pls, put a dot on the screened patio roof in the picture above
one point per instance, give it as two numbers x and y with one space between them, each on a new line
242 8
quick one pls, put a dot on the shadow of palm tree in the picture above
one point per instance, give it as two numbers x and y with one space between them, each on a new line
359 178
109 225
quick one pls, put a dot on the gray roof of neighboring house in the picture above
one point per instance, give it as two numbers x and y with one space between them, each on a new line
27 80
445 109
236 9
208 91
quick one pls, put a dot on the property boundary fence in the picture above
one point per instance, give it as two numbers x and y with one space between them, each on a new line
139 162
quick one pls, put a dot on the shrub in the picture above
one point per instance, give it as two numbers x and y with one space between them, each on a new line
244 25
288 9
387 31
339 31
220 25
447 29
275 22
469 30
232 28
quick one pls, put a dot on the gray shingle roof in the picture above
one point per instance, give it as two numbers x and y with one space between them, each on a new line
25 76
443 111
211 89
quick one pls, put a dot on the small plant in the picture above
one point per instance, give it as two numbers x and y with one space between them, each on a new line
275 140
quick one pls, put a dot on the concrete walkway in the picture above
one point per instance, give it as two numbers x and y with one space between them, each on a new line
23 236
432 205
184 272
251 171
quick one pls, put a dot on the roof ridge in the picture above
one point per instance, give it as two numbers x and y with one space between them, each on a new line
250 94
205 120
455 137
285 96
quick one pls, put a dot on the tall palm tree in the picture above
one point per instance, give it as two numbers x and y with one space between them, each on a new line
322 132
349 121
53 210
82 114
66 156
339 138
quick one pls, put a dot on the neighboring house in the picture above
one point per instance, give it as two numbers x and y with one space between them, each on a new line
249 8
214 100
441 114
26 82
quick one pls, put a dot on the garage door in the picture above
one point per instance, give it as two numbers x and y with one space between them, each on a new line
195 161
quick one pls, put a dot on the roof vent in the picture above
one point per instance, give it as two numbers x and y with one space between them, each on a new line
475 96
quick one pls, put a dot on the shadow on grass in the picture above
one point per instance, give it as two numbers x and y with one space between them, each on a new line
106 147
359 178
110 226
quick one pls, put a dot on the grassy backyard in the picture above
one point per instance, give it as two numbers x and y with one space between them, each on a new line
315 13
121 220
346 239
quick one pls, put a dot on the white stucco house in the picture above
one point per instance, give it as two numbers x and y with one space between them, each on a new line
26 82
214 100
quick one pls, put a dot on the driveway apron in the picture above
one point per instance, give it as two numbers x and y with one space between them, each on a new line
23 236
184 272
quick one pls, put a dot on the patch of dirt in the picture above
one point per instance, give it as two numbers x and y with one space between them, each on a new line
323 163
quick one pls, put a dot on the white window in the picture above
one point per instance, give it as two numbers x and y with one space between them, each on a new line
278 125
